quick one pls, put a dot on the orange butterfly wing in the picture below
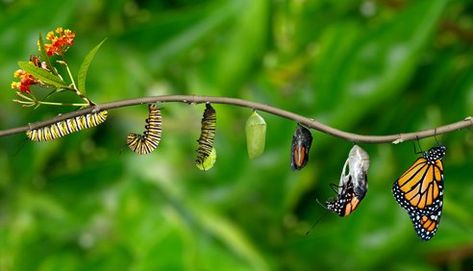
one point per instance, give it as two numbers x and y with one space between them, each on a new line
346 201
420 187
426 225
419 190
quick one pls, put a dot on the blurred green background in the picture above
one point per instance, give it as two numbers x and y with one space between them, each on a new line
85 202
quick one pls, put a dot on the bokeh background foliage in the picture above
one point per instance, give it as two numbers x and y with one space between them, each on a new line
374 67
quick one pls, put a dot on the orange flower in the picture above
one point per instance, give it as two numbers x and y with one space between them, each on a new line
60 40
26 81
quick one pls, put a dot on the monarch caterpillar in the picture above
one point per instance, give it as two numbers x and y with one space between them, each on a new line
67 126
149 141
206 139
300 147
353 183
419 191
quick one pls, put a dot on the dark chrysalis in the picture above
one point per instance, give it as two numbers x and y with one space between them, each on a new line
206 153
301 142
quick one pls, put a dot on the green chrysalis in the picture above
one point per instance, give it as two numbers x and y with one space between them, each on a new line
255 135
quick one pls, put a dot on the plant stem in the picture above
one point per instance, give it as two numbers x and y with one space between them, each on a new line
24 102
62 104
70 74
308 122
74 87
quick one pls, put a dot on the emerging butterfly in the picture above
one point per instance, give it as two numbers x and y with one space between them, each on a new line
346 201
353 183
419 191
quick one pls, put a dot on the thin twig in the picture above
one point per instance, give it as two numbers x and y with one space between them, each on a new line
308 122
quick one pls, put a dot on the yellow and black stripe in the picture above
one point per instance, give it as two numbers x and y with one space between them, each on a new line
67 126
149 141
207 134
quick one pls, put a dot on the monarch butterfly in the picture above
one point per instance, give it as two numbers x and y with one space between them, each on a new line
67 126
300 147
207 135
346 201
419 191
353 183
149 141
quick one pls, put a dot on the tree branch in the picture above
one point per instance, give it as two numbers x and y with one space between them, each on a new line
308 122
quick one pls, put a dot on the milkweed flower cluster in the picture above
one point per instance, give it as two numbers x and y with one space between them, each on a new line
26 81
60 40
42 70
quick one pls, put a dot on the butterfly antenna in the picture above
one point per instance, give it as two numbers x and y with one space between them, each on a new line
334 188
315 223
321 204
318 219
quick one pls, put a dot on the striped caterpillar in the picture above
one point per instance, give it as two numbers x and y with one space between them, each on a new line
67 126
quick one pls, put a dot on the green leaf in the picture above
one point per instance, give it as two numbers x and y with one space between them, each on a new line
247 39
44 55
364 68
232 236
45 76
84 67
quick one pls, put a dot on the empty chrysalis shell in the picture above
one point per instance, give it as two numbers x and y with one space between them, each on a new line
209 161
255 135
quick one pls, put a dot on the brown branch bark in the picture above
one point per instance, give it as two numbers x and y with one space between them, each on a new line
308 122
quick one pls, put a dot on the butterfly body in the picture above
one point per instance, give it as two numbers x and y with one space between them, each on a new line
346 201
